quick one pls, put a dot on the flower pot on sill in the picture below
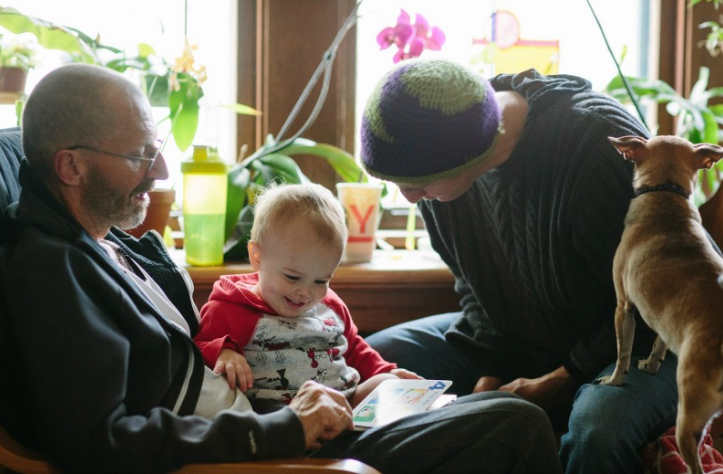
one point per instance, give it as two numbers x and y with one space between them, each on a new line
12 79
159 210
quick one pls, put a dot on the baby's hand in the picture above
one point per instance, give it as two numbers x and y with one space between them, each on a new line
237 370
405 374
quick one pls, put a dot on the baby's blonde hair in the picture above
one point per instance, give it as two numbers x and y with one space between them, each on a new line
279 204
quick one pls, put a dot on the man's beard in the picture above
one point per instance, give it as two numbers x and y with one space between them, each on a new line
109 207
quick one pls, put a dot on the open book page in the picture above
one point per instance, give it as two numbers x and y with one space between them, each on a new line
397 398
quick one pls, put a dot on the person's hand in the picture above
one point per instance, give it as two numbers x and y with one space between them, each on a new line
548 391
404 374
237 370
487 384
324 412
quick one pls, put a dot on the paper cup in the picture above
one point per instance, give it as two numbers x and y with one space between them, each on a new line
361 206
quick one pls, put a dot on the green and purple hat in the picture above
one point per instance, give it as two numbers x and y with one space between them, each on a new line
428 120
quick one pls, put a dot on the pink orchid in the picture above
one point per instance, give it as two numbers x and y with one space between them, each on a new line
399 34
411 39
433 42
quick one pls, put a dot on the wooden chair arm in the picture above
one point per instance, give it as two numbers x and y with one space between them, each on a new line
20 459
296 466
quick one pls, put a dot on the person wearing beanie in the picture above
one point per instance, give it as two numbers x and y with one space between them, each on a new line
524 199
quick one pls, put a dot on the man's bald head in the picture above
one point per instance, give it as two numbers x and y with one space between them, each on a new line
75 104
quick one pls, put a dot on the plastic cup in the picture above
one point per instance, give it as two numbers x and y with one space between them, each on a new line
361 206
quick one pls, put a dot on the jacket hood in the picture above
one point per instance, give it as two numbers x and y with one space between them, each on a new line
238 289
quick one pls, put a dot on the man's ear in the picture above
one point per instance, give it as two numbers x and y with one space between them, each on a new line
69 167
254 255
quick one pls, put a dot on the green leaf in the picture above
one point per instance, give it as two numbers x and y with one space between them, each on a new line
236 247
242 109
277 168
184 109
145 50
710 129
342 161
238 182
49 35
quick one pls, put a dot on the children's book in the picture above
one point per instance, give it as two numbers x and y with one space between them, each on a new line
397 398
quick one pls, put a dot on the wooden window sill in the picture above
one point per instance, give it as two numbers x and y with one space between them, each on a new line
396 286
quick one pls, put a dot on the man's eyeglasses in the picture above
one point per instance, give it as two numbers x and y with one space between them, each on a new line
151 160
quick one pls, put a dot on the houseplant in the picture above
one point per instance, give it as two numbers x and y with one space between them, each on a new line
698 120
17 57
274 163
698 116
182 81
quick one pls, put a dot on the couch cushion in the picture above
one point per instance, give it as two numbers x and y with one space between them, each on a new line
11 152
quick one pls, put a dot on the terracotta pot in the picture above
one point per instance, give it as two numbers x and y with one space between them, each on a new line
12 79
158 211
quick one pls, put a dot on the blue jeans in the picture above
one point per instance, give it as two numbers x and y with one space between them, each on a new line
607 425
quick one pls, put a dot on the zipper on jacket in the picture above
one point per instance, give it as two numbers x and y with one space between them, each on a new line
186 382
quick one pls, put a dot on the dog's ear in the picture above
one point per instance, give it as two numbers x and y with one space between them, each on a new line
708 154
632 148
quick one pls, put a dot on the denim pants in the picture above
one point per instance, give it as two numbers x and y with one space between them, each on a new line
607 425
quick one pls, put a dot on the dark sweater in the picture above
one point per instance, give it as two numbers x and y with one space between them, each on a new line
531 243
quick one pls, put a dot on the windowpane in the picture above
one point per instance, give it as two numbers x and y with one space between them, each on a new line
561 35
160 23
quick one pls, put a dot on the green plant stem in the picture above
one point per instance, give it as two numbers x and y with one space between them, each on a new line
617 65
409 242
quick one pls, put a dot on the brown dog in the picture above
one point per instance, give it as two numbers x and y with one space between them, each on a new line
666 267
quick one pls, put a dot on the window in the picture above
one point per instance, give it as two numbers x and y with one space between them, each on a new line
160 23
555 36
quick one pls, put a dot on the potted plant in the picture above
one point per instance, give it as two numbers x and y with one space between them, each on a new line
180 84
17 57
273 162
698 120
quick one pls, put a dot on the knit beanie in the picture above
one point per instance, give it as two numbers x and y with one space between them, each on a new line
428 119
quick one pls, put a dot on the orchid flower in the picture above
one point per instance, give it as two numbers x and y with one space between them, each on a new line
399 34
411 39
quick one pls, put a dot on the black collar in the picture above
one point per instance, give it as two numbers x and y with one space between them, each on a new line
669 187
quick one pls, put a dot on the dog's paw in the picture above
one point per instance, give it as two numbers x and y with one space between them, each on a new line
614 379
649 366
607 380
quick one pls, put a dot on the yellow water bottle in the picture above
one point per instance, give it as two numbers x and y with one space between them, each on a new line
204 206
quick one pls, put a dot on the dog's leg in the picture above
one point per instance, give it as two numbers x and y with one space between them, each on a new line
697 403
625 331
656 357
700 398
688 443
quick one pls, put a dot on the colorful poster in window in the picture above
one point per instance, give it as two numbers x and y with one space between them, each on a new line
507 51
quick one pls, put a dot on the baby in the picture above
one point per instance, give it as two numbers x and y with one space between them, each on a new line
274 329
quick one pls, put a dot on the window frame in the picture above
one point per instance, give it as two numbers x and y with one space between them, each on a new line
272 75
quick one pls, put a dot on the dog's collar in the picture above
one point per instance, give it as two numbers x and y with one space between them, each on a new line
669 187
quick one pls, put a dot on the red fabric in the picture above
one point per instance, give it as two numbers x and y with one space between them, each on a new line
236 311
663 457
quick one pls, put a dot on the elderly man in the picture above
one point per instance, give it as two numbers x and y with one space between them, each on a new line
99 370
